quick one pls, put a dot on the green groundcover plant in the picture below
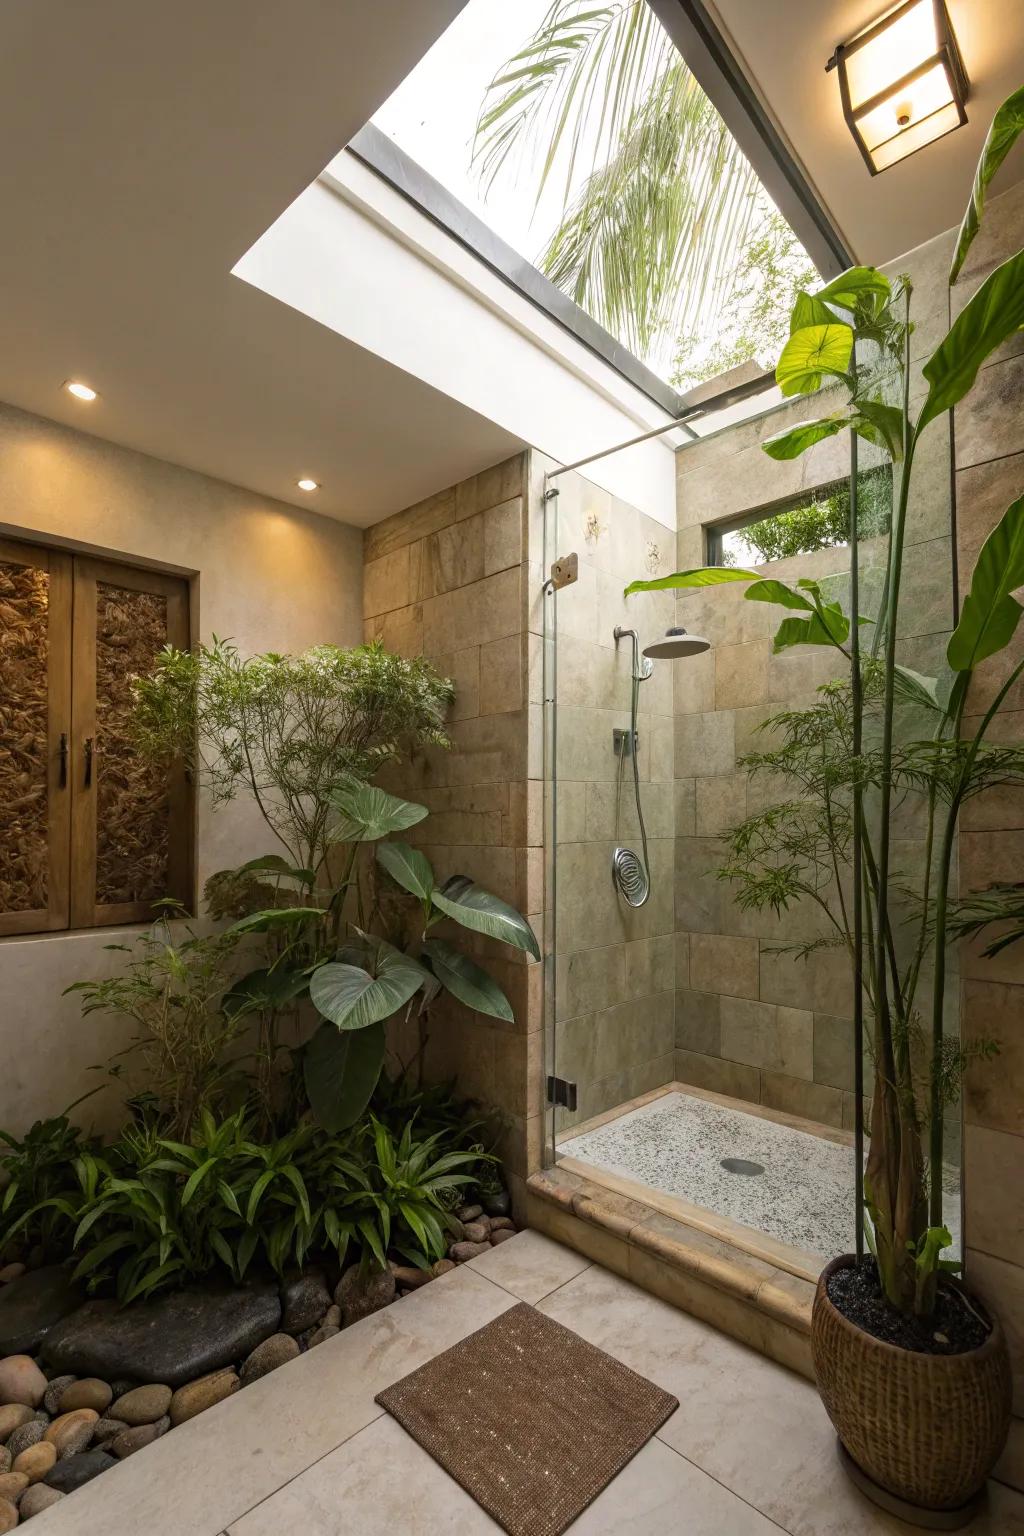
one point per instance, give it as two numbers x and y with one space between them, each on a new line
883 733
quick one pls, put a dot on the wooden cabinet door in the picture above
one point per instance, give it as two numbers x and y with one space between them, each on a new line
131 825
35 726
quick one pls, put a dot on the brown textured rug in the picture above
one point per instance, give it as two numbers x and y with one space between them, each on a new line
529 1418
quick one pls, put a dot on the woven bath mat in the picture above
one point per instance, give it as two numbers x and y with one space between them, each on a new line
529 1418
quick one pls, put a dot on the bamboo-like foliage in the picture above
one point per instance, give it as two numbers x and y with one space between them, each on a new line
652 238
886 734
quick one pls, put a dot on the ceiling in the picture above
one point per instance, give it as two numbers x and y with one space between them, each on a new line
784 46
146 148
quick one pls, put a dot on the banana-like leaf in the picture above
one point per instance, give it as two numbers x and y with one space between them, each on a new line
990 613
796 440
994 313
771 591
477 909
340 1071
881 425
854 285
467 981
812 354
410 868
352 998
1006 128
830 627
916 688
265 988
366 813
274 864
274 918
703 576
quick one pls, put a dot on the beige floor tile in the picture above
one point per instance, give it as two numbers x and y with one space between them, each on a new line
530 1265
382 1481
756 1428
210 1471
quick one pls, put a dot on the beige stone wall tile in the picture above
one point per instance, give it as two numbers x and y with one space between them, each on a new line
451 558
682 960
701 901
993 1096
487 749
763 1035
650 965
409 526
685 807
822 981
463 667
693 683
699 1022
724 964
387 584
501 675
994 1167
1001 1286
487 610
798 1096
400 631
741 675
502 482
721 803
990 425
833 1051
503 536
705 744
719 1076
523 822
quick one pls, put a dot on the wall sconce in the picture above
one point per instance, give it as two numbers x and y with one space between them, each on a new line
902 83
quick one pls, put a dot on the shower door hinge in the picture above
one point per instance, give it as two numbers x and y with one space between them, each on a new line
565 571
561 1093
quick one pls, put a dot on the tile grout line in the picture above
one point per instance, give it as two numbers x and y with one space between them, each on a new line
380 1414
553 1291
697 1466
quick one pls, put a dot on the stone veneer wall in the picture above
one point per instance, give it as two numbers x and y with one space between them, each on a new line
989 437
450 578
615 965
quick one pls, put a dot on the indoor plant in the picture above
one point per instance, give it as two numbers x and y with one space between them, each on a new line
915 1378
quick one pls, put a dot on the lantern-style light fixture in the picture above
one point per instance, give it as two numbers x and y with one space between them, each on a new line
902 82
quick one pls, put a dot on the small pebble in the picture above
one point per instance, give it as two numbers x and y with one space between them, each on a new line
142 1405
5 1458
36 1461
106 1429
266 1357
470 1212
135 1439
322 1334
12 1416
476 1232
57 1385
34 1500
501 1236
442 1267
8 1515
332 1317
71 1432
12 1486
463 1252
21 1381
28 1434
502 1224
90 1392
196 1396
409 1276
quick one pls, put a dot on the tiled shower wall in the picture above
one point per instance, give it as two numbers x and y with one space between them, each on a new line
450 579
615 965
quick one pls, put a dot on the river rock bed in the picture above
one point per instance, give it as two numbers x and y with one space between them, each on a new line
92 1383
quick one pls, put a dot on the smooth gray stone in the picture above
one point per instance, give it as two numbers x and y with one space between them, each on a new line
173 1339
32 1304
76 1470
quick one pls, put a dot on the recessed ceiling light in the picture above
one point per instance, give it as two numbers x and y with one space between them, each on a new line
79 390
306 484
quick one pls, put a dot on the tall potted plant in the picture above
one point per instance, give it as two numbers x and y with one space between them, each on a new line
913 1371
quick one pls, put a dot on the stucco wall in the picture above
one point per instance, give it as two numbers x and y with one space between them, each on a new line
267 575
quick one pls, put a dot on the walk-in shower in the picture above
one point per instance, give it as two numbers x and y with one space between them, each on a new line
631 873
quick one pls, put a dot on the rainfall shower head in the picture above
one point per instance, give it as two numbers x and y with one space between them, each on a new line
675 644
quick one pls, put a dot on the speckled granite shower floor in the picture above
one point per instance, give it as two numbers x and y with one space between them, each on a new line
676 1144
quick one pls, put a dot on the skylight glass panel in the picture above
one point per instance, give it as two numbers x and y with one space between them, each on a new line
577 134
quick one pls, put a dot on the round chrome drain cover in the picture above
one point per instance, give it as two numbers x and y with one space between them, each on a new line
742 1165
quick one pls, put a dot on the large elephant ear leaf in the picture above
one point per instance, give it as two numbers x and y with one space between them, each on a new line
473 907
340 1071
990 613
702 576
467 981
366 813
812 354
994 313
410 868
1007 126
351 997
796 440
854 287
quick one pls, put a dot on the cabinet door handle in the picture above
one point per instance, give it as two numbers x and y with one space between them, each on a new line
88 761
63 759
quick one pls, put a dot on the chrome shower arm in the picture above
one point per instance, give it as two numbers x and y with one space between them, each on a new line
642 667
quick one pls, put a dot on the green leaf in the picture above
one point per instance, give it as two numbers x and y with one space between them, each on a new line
829 627
809 310
410 868
352 998
771 591
275 917
273 987
916 688
796 440
703 576
467 981
1003 133
256 1195
854 285
274 864
812 354
994 313
881 425
366 813
196 1179
990 614
340 1071
474 908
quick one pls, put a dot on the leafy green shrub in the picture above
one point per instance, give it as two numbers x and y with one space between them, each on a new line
151 1212
38 1170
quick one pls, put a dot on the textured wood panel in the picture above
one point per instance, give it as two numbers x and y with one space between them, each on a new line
24 710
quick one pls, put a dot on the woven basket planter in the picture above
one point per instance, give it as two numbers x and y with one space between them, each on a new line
926 1428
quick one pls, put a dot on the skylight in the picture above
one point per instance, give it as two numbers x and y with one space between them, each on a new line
576 133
